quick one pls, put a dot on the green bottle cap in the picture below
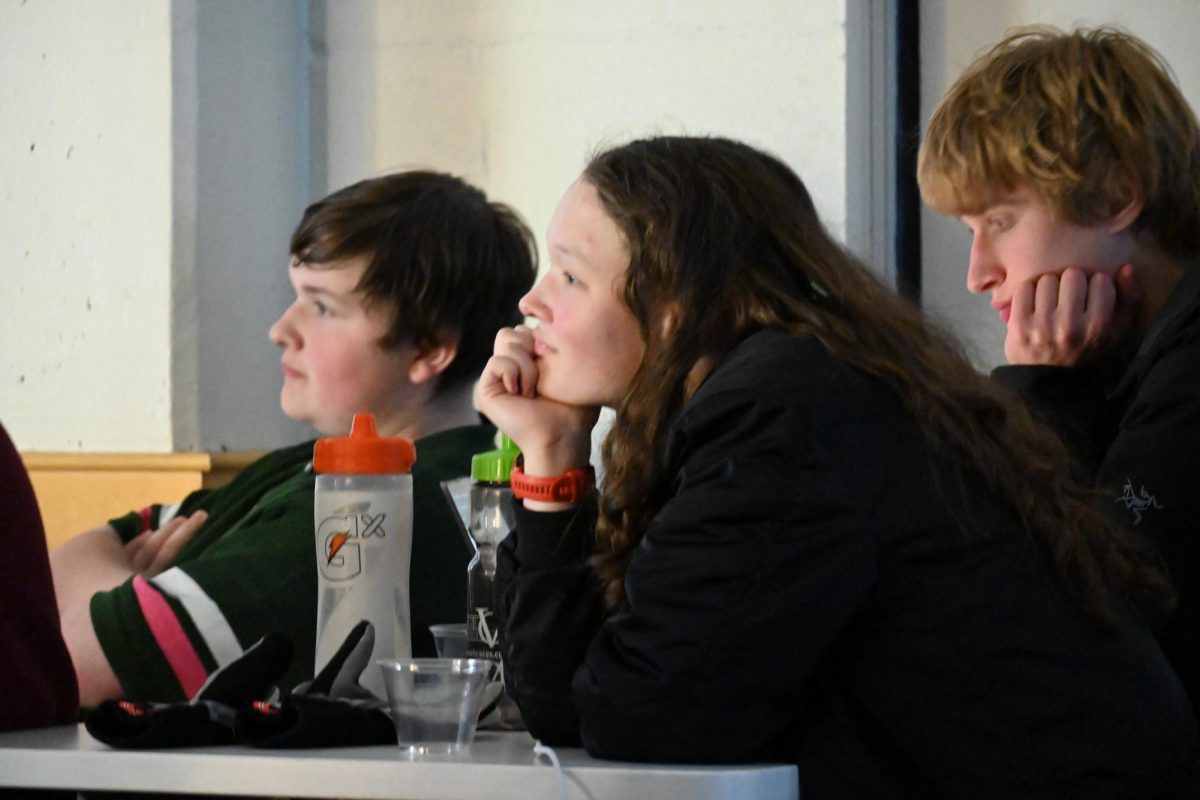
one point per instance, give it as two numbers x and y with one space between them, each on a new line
495 466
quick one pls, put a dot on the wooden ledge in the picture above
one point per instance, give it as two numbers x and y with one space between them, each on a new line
117 462
78 491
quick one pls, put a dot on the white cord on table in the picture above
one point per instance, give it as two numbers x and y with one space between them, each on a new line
542 751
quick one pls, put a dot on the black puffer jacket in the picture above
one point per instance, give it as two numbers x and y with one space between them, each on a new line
820 588
1138 436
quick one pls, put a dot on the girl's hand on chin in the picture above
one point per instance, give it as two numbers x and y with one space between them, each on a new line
553 436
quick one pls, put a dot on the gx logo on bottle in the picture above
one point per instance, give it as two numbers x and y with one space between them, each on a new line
342 538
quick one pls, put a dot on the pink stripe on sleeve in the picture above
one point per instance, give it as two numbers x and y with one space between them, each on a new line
172 640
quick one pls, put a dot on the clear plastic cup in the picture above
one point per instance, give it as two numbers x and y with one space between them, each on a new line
435 702
450 639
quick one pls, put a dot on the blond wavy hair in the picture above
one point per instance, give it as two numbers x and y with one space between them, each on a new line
1083 119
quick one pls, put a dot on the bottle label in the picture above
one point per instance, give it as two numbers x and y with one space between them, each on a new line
483 634
342 536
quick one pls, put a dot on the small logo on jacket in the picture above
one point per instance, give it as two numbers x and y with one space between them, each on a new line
1137 503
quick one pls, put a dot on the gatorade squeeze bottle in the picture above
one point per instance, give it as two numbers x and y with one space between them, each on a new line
363 517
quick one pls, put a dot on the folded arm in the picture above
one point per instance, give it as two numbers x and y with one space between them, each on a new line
96 561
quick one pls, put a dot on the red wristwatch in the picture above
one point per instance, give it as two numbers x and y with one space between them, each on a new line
570 487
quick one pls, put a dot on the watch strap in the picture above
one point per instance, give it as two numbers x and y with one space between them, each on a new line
569 487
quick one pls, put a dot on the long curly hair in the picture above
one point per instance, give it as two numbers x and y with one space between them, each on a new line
728 239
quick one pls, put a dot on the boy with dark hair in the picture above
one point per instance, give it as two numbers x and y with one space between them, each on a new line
401 283
1075 161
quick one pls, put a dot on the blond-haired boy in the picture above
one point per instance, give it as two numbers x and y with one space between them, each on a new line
1074 159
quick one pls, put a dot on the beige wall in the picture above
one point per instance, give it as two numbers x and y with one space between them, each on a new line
85 224
514 95
153 161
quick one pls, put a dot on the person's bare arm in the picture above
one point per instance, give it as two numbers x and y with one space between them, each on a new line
89 562
96 561
96 679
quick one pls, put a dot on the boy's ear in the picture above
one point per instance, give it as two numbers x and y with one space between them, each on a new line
1131 201
431 361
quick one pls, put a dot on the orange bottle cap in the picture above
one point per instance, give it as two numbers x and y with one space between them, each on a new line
364 451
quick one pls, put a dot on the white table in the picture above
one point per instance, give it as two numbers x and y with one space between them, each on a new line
499 766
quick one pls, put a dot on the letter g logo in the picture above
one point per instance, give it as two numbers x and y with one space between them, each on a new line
342 559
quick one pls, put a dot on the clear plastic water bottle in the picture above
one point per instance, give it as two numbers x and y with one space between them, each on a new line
362 511
490 519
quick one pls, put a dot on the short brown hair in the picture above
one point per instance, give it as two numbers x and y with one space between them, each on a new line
449 264
1073 116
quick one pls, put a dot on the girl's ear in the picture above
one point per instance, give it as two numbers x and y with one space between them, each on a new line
431 361
1133 201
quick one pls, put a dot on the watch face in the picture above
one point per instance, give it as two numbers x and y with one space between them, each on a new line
563 489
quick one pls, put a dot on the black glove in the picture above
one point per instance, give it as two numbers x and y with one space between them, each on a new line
331 710
210 717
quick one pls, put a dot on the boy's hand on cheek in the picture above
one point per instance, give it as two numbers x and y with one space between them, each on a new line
1064 320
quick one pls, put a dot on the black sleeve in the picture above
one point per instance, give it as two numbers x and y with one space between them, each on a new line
1148 483
550 605
1143 466
1149 469
734 597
